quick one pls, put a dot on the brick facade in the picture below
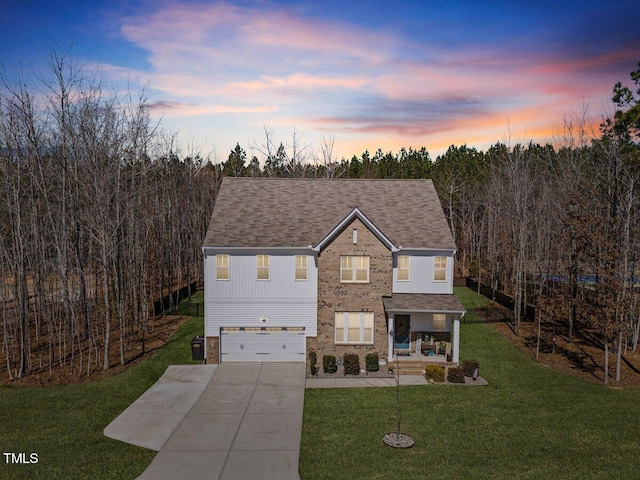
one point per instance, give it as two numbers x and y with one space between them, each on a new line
334 296
213 350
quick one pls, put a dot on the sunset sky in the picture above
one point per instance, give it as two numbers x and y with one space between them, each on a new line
377 74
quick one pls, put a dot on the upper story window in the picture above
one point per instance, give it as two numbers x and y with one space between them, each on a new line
301 267
222 267
354 269
440 269
404 261
263 267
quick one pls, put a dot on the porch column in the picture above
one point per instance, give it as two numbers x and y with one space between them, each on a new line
455 348
390 335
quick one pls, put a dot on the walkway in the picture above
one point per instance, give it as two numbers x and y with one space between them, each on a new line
363 381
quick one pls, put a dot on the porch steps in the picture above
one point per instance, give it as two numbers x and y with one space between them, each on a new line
414 367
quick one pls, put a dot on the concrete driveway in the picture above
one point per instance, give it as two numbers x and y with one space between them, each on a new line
227 421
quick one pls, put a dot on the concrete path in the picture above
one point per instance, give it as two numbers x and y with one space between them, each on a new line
364 381
246 423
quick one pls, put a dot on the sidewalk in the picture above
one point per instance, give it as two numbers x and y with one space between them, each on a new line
364 381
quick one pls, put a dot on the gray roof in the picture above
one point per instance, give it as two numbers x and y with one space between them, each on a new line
298 212
422 302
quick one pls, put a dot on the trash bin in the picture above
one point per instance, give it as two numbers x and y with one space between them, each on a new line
197 348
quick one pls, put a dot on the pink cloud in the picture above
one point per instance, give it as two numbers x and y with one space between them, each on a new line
243 36
314 35
300 80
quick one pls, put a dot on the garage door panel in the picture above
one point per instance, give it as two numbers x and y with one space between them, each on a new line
262 346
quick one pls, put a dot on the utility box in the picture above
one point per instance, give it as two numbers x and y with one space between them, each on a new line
197 348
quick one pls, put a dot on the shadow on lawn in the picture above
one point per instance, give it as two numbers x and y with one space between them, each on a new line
579 354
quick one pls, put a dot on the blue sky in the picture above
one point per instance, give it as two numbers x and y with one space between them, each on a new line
375 74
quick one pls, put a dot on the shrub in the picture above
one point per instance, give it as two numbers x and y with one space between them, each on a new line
455 375
371 362
469 366
313 358
434 372
351 364
329 364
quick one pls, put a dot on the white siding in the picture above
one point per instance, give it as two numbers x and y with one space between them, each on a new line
423 322
249 313
421 276
243 301
243 281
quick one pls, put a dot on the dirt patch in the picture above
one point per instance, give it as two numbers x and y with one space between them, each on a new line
163 329
583 358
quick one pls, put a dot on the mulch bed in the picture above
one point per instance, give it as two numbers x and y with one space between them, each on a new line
382 373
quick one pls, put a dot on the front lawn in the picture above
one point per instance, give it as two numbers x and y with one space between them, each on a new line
63 425
529 422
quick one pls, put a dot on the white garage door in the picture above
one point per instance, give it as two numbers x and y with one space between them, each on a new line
262 344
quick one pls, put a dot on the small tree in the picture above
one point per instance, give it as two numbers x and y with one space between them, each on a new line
397 439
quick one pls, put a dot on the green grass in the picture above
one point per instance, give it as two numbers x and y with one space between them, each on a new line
529 422
195 308
64 424
471 301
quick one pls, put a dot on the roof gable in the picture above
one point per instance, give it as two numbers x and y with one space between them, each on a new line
355 213
301 213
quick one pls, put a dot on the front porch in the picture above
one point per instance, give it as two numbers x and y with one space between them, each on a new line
423 328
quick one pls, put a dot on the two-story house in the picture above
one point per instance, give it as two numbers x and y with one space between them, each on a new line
335 266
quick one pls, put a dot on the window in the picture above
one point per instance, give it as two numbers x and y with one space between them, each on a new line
354 327
222 267
439 321
440 269
354 269
301 267
403 268
263 267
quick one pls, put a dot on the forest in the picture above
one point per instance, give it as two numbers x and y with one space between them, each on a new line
103 215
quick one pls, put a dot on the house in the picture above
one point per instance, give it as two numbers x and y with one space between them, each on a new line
335 266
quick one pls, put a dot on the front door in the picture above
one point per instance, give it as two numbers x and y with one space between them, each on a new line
402 340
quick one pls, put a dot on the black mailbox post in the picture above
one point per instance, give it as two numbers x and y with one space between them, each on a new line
197 348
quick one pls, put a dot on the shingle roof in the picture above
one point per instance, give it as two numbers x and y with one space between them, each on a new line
269 212
422 302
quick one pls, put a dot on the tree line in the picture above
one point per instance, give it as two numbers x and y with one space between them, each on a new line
100 218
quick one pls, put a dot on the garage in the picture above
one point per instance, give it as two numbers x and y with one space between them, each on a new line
262 344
